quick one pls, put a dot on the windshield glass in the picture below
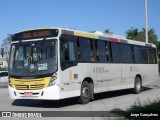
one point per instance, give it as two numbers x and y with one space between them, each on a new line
33 58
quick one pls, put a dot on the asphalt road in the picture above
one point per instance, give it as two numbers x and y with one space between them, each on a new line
109 101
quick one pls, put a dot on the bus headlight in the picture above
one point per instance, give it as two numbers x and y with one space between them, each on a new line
53 79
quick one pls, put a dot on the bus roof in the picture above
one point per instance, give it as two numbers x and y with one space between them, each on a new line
95 35
103 36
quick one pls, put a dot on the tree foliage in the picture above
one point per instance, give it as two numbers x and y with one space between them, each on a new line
107 31
132 33
6 46
6 43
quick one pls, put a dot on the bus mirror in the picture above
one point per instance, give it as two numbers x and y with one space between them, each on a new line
2 52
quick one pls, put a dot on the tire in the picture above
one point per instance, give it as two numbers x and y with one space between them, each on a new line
86 93
137 86
92 91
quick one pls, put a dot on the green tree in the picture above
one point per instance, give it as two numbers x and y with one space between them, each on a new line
135 34
107 31
132 33
6 46
153 38
6 43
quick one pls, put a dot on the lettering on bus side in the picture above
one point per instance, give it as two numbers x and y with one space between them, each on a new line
100 70
134 69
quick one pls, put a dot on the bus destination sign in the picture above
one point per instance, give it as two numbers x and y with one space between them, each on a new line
34 34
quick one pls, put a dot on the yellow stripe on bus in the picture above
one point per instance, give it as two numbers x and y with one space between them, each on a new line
70 74
81 34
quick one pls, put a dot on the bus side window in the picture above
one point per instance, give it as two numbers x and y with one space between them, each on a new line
110 52
144 57
136 54
85 49
68 57
127 53
116 52
155 56
107 51
148 57
101 51
92 50
78 52
152 55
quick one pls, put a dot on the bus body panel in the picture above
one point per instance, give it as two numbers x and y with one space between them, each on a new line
49 93
106 76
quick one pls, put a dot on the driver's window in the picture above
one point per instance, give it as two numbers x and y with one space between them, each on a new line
71 50
68 57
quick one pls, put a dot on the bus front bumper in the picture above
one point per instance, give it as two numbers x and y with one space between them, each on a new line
49 93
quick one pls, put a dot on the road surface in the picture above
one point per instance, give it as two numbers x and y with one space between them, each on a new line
109 101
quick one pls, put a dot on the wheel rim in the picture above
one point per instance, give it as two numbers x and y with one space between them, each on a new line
138 86
85 92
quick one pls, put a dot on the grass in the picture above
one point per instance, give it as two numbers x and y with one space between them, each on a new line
153 108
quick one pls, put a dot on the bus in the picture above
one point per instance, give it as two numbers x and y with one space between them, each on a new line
58 63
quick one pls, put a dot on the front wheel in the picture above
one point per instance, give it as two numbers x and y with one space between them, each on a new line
137 86
85 96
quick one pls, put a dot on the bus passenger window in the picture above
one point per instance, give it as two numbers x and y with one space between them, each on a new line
78 52
152 55
144 57
116 52
85 49
136 54
127 53
68 56
107 51
92 51
101 51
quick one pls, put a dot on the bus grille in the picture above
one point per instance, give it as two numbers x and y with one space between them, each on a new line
30 84
30 87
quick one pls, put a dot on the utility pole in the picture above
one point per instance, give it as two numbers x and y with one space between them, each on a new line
146 20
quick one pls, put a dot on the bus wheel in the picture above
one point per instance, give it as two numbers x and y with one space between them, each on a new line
137 86
85 93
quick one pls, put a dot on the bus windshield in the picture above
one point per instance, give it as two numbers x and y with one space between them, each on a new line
33 58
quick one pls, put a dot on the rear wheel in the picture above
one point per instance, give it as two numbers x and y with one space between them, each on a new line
137 86
86 93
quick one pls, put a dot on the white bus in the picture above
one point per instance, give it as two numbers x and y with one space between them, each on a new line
57 63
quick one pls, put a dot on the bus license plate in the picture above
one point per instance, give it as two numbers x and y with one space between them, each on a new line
27 93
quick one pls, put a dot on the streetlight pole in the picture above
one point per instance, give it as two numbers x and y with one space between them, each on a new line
146 20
